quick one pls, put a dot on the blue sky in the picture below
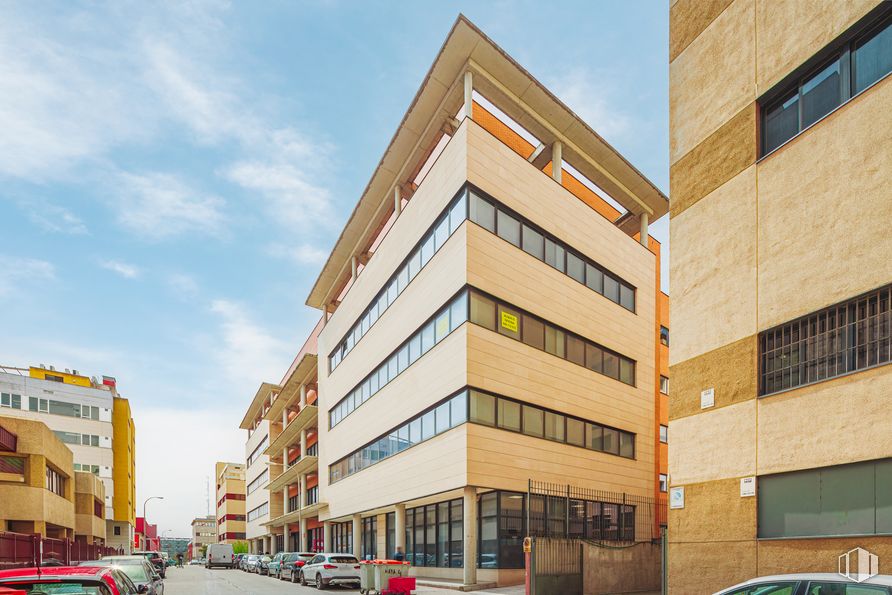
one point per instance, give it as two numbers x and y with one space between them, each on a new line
172 176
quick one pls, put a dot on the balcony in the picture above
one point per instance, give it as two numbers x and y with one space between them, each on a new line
8 440
292 474
290 435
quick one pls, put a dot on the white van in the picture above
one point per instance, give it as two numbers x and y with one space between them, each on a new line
219 554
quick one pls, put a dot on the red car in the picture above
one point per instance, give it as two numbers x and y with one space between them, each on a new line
92 580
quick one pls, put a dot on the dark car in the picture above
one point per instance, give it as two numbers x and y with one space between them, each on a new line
88 580
137 569
263 565
155 558
249 563
291 565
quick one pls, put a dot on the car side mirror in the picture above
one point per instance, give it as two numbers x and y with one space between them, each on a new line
142 589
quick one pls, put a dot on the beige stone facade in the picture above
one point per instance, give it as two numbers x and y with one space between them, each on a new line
37 486
761 238
230 481
89 508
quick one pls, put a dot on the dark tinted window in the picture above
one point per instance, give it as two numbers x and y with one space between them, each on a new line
781 122
873 58
821 94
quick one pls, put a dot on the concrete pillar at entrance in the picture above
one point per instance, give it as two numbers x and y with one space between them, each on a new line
399 528
469 551
326 535
357 536
302 491
643 218
302 537
557 160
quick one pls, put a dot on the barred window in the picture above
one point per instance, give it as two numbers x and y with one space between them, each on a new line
846 337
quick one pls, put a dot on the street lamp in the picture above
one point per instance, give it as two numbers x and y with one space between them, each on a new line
145 519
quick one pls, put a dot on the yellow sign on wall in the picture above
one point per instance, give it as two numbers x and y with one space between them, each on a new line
510 322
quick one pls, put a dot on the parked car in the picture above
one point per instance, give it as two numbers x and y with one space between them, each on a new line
95 580
263 565
250 563
811 584
137 569
290 566
155 558
325 570
219 554
275 564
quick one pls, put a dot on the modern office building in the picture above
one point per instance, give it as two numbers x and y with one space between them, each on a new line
204 532
230 478
258 470
293 451
37 480
492 315
94 422
781 164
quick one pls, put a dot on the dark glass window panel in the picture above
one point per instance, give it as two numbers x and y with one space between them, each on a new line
595 437
821 94
483 408
443 534
627 297
533 421
626 445
533 242
576 350
508 228
575 432
611 365
554 255
533 332
483 213
554 341
873 58
781 122
626 371
575 267
509 415
554 426
594 358
483 311
611 288
594 278
611 440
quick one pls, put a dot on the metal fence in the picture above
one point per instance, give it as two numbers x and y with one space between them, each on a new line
18 550
566 511
556 566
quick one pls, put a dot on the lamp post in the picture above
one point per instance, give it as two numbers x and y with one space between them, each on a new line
145 519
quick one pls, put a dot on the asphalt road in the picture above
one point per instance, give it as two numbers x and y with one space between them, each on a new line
197 580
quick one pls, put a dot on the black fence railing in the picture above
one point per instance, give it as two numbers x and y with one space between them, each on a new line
570 512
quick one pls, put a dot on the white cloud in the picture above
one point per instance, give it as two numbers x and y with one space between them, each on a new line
590 95
183 285
128 271
247 354
16 272
54 218
303 254
158 205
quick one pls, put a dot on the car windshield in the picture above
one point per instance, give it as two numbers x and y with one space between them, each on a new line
343 559
68 587
134 568
266 559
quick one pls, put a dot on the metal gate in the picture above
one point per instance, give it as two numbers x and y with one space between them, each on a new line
555 566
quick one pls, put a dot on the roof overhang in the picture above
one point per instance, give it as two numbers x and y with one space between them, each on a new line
254 409
302 374
518 94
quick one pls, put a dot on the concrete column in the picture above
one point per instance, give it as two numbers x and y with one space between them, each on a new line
557 160
302 546
397 200
303 442
302 491
469 94
644 221
469 548
285 500
324 315
399 528
303 396
357 536
354 265
284 417
326 535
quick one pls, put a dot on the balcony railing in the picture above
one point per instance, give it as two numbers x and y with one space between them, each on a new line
8 440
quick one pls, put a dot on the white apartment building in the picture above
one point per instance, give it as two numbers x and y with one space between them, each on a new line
259 508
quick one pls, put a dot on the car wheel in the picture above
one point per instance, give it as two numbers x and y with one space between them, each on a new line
293 579
319 584
303 579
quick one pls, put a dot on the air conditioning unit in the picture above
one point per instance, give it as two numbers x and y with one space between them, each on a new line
52 368
74 372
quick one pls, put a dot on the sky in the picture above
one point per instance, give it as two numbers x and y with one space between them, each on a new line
172 176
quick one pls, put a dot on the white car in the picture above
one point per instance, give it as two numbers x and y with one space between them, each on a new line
811 584
330 569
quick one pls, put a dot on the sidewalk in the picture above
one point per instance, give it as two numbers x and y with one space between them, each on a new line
515 590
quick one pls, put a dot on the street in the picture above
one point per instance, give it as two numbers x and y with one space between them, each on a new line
197 580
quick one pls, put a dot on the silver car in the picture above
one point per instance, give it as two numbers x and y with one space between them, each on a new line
811 584
325 570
